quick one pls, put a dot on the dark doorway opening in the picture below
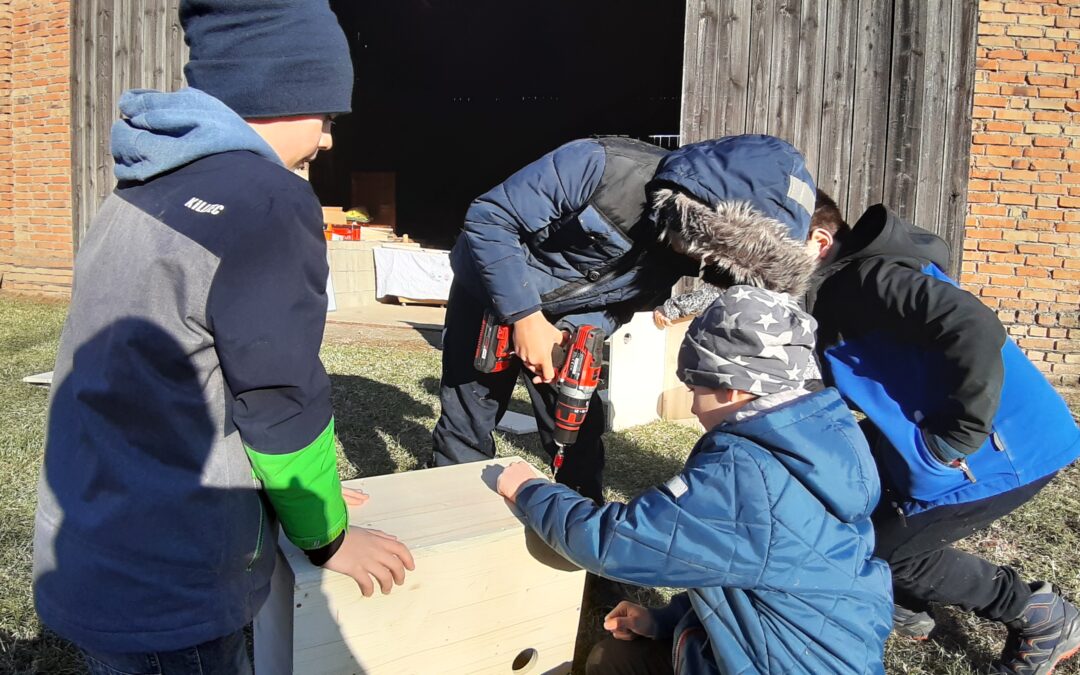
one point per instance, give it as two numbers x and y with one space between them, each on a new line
452 97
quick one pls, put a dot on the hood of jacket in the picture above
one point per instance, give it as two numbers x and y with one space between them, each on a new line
829 457
880 232
741 204
164 131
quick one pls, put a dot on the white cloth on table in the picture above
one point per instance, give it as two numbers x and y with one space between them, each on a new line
416 273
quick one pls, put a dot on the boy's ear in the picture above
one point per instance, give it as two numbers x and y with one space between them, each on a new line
820 241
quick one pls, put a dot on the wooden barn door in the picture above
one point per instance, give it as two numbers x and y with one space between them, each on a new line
115 45
876 93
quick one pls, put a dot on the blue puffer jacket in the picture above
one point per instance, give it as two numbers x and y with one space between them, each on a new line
929 363
574 233
768 526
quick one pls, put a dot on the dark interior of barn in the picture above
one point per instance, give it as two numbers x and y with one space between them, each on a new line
452 97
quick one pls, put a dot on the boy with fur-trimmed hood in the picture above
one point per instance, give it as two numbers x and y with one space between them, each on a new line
589 234
767 526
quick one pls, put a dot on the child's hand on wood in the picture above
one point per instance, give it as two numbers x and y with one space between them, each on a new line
513 477
354 497
660 319
628 620
368 553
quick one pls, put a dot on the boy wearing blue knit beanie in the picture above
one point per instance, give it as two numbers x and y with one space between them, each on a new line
190 413
767 526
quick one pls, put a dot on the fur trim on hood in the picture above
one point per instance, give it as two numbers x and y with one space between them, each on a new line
737 243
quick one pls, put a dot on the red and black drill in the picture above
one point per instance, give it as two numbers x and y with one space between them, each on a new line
577 361
578 378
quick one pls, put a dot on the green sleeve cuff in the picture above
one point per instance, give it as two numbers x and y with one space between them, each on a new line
305 490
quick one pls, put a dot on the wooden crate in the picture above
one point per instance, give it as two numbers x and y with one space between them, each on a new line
487 596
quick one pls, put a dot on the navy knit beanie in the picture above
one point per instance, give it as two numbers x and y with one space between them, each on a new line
268 58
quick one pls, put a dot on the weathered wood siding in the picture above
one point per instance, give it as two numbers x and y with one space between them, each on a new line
876 93
115 45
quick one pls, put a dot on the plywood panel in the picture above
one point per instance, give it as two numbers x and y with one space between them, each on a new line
485 588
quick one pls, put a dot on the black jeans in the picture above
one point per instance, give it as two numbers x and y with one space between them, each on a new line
474 402
926 568
630 657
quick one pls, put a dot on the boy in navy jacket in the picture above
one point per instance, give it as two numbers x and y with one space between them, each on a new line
191 413
767 526
964 428
589 234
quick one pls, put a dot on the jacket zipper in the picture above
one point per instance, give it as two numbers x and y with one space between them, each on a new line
620 266
963 466
680 645
259 540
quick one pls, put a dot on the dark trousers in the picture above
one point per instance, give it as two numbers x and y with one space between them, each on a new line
926 568
223 656
630 657
474 402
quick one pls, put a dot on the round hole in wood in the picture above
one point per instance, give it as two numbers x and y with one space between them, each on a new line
525 661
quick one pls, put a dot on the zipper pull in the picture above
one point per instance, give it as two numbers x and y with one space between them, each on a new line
900 512
963 466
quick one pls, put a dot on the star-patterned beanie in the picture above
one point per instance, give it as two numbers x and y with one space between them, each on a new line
749 339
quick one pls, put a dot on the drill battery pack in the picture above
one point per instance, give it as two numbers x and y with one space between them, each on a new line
494 347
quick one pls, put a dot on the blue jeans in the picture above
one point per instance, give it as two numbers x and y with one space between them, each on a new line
223 656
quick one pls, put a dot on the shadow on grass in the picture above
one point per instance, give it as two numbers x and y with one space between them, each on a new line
374 421
43 653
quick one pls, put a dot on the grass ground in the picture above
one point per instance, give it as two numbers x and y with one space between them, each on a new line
385 400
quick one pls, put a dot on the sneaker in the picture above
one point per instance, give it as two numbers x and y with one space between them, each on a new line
912 625
1047 633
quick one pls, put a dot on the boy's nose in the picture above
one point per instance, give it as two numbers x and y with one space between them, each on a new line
326 142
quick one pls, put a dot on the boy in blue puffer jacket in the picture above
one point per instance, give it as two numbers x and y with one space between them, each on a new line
591 233
767 526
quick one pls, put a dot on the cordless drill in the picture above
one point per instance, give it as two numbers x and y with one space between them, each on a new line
577 362
578 377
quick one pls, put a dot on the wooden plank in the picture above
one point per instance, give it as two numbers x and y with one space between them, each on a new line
936 45
636 373
761 55
837 100
873 65
906 93
154 28
176 50
699 54
957 146
102 105
808 103
732 69
783 88
273 625
79 28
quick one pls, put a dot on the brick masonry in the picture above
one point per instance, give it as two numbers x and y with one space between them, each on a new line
1021 252
1022 243
35 146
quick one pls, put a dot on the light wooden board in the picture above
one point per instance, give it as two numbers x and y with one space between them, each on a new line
484 591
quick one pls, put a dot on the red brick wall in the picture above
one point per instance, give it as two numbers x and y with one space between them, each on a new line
35 146
1022 249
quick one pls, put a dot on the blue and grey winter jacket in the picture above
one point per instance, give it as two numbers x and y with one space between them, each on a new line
934 370
574 233
190 411
767 526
